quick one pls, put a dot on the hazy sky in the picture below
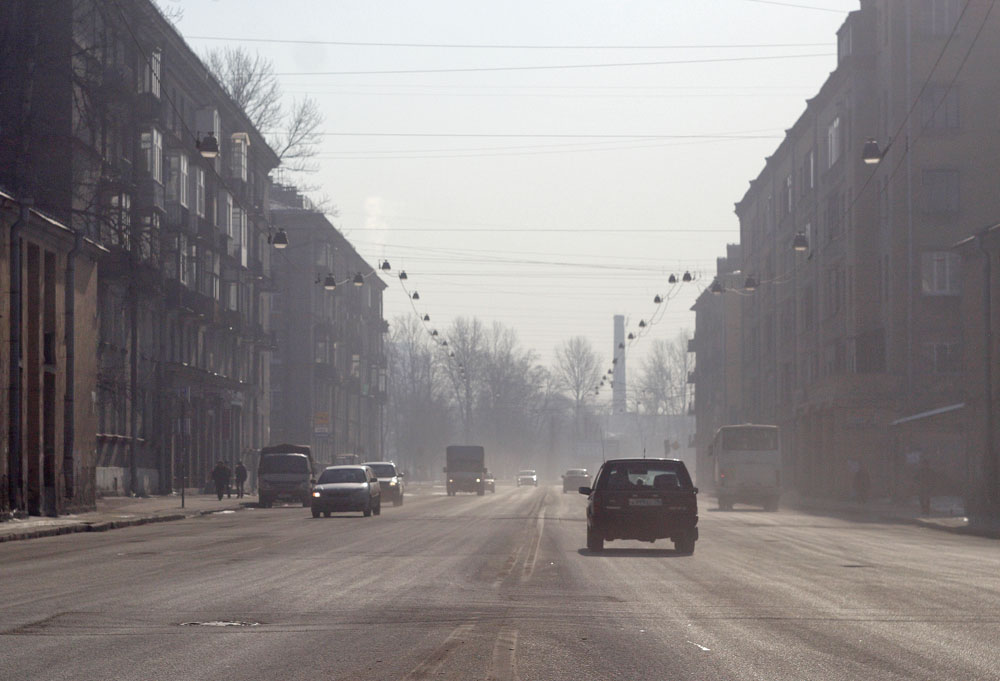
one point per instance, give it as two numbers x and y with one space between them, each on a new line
549 199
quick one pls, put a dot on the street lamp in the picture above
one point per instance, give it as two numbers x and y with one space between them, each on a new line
871 154
750 284
800 243
207 146
329 283
359 280
280 239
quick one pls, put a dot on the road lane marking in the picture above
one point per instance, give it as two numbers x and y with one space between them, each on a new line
700 646
504 664
529 563
430 665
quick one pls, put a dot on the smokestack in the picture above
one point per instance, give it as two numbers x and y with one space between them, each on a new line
618 405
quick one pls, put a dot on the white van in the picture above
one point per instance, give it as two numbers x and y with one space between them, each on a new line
285 472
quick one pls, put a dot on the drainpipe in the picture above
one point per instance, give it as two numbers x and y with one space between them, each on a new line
69 420
993 493
14 436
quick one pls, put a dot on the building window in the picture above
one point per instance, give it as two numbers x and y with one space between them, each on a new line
834 216
833 142
941 191
119 223
940 273
238 155
809 172
943 358
788 193
939 107
151 143
199 191
150 79
177 179
225 213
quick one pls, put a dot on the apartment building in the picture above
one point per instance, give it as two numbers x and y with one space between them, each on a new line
113 126
853 340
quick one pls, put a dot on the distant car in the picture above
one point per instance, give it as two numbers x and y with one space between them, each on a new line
346 488
489 482
527 477
574 479
644 499
390 479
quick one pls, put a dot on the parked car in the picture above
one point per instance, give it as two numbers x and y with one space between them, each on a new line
644 499
489 482
527 477
575 478
347 488
390 479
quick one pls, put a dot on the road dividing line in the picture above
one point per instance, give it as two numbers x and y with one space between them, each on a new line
504 664
529 562
430 665
508 567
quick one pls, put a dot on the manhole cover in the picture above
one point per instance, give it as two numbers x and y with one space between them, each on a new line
220 623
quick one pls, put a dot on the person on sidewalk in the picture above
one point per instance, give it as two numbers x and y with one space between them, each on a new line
925 482
220 476
241 478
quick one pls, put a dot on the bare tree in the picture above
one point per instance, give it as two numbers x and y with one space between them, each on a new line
663 381
419 418
578 371
250 80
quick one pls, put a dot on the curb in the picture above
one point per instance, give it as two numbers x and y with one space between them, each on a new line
105 525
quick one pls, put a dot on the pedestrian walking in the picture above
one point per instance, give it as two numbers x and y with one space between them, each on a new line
220 476
241 478
925 483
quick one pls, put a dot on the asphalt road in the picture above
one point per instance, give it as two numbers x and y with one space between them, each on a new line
499 587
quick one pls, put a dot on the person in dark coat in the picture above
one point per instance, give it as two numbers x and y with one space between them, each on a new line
220 476
241 478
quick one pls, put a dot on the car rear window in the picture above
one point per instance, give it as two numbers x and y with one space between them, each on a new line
334 475
383 470
284 463
633 475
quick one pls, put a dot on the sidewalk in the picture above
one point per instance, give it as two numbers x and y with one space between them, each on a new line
116 512
947 513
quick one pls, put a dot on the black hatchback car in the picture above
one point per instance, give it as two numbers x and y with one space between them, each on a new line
644 499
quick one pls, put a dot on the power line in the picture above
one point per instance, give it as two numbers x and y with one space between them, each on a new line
536 135
797 6
555 67
499 46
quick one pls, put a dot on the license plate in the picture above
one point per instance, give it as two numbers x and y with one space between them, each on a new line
645 502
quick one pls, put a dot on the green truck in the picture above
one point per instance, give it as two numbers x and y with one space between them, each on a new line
466 469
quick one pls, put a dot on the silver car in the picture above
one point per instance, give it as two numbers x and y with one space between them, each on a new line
390 479
346 488
527 477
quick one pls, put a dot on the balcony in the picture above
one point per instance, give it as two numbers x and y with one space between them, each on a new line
148 108
150 195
